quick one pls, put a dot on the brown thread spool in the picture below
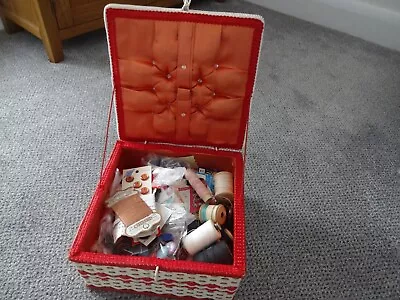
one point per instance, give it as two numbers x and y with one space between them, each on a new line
223 185
229 211
215 213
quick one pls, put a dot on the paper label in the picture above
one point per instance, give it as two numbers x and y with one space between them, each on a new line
144 227
118 229
207 178
190 199
165 214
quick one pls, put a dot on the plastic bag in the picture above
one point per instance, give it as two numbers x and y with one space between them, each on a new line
105 242
116 184
167 176
168 162
178 222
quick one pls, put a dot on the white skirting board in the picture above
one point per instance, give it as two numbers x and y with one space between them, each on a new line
369 22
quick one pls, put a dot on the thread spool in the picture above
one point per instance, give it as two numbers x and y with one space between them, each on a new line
219 253
215 213
200 188
229 211
223 185
201 237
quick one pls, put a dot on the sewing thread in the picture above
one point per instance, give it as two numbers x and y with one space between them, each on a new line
223 185
215 213
201 237
218 253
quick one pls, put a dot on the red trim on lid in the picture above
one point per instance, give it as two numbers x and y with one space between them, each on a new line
113 13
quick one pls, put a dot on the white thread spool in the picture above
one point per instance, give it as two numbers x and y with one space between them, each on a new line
223 185
201 238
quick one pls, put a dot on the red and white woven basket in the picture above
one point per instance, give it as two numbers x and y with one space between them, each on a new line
221 147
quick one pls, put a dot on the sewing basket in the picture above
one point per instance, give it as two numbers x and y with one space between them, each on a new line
183 81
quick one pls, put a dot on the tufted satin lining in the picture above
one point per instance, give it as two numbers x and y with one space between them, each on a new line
182 82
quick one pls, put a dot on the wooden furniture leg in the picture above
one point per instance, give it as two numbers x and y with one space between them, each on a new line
9 26
49 30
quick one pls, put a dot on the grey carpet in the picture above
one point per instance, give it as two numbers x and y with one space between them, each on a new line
323 167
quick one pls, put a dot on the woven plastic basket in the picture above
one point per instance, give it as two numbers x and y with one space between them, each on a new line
183 82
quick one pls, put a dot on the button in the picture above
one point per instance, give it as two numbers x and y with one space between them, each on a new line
153 62
183 115
154 88
144 190
183 67
213 94
137 184
199 80
216 66
129 179
169 76
144 176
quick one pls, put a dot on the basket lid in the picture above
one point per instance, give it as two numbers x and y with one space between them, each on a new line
182 77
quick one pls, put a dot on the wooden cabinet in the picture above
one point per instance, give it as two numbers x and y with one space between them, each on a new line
55 20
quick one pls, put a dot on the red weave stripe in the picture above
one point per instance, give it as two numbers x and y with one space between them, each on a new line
166 282
149 281
142 293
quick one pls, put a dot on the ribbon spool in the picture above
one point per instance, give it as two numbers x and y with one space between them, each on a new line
202 237
223 185
215 213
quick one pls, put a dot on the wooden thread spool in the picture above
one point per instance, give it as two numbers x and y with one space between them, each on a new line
200 238
215 213
200 188
223 185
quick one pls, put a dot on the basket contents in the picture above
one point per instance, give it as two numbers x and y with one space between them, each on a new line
169 208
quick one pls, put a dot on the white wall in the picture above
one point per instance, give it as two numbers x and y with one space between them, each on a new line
377 21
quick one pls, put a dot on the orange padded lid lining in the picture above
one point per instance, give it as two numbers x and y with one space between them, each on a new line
183 78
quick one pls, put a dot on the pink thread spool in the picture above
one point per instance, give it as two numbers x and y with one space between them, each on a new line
200 188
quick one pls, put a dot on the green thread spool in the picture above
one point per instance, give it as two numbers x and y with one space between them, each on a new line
215 213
